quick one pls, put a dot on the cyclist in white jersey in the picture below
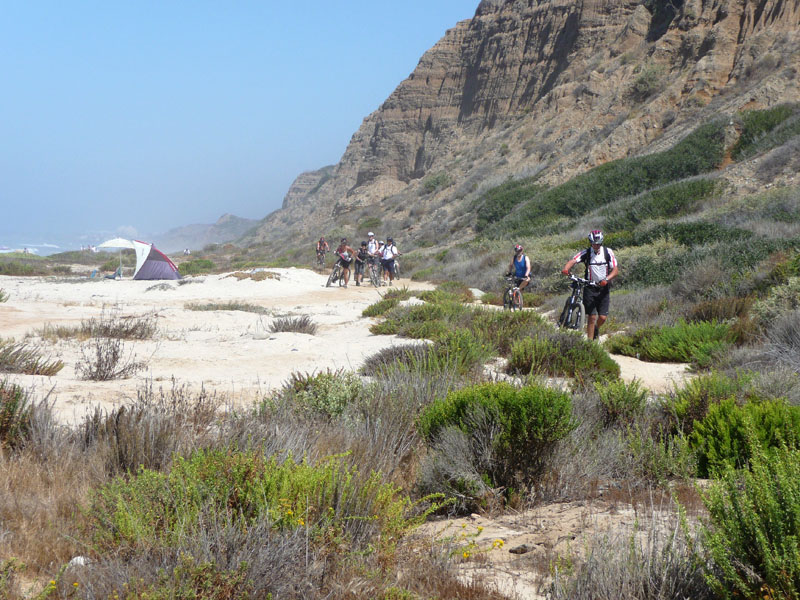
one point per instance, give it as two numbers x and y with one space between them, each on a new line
601 268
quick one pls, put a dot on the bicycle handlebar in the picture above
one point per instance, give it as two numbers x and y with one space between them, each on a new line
582 281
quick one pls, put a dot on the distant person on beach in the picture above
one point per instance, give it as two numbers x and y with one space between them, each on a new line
346 256
601 268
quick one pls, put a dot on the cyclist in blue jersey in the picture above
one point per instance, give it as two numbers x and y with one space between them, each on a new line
520 267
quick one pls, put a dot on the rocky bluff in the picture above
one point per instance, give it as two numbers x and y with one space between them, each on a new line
552 87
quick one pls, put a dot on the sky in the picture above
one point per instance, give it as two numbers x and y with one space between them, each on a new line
133 117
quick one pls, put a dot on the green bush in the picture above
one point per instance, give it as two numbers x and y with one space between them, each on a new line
621 402
436 181
757 124
153 509
327 393
15 415
562 353
780 300
369 223
683 342
3 296
530 421
670 201
381 307
501 200
725 437
691 402
754 533
196 266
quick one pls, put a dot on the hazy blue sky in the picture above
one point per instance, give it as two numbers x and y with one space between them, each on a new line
135 117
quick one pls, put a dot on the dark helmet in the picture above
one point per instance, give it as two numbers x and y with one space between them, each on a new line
389 239
343 240
595 236
363 244
518 248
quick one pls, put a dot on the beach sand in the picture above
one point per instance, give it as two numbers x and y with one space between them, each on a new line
229 352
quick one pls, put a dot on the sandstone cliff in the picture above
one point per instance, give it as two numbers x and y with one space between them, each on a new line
552 87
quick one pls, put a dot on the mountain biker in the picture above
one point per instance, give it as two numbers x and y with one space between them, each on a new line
361 261
345 254
388 254
322 247
520 266
601 268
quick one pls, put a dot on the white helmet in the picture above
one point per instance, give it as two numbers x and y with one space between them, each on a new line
370 234
595 236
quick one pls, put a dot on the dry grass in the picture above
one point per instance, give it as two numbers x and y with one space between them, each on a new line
20 357
302 324
255 275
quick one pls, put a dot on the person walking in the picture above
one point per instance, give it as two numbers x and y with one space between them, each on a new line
601 268
388 254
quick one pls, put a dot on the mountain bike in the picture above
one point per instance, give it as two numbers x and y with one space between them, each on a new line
321 260
573 312
512 297
337 274
374 268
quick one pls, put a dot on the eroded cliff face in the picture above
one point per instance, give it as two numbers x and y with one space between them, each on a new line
557 86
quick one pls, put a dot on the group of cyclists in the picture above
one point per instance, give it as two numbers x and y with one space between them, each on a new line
601 267
371 251
599 261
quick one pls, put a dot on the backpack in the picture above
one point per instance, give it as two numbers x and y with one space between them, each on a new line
588 256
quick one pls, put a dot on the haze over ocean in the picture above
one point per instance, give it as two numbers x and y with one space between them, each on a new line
133 118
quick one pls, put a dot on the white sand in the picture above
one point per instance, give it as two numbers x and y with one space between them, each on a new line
228 352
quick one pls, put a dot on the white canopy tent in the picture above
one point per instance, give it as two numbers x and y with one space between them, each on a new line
159 266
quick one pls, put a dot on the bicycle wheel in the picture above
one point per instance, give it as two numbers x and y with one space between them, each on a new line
396 270
341 278
576 318
335 273
374 275
507 299
516 299
566 313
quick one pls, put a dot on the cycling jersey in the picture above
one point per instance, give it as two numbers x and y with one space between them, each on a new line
599 264
520 267
389 252
372 246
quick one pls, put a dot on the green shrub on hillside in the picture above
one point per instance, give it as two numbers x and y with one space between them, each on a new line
15 415
381 307
756 125
754 534
501 200
436 181
684 342
530 420
780 300
725 437
672 200
196 266
699 152
690 403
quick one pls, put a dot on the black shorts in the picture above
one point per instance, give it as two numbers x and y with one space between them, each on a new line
345 263
388 264
595 300
360 267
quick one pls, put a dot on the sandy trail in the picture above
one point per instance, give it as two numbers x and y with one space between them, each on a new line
228 352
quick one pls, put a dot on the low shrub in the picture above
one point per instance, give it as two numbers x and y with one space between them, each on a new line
691 403
783 340
138 327
3 296
436 182
780 300
621 402
15 414
727 434
499 201
104 359
562 353
530 420
196 266
19 357
754 531
721 309
756 124
326 393
240 306
683 342
153 509
301 324
381 307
